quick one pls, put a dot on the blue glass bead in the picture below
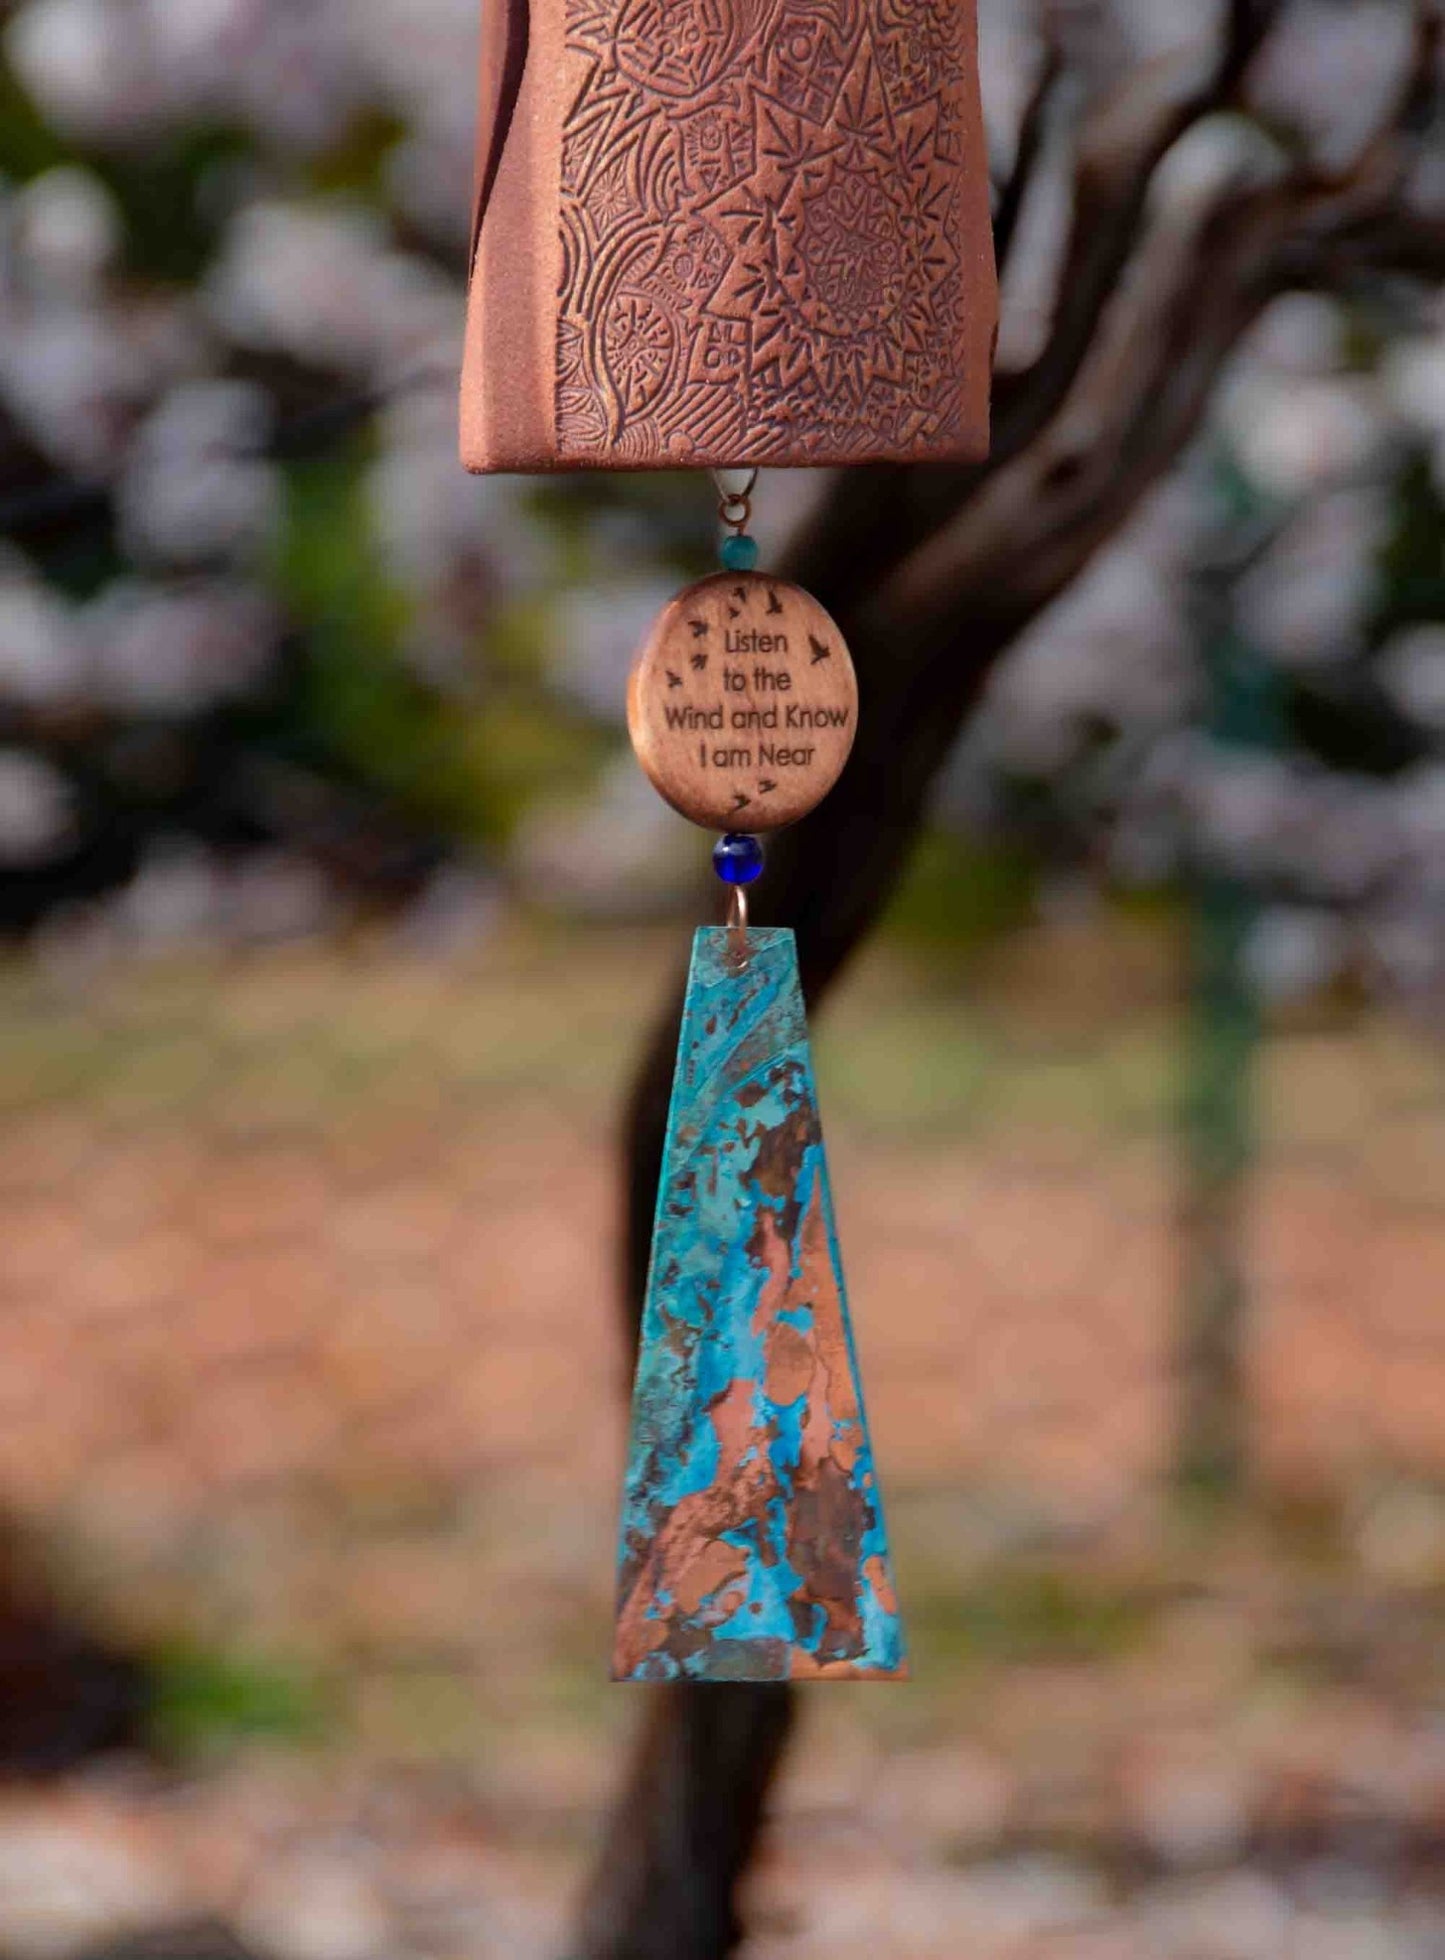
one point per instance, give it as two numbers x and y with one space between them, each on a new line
739 553
738 859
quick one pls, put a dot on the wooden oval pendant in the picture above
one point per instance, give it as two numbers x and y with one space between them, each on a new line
743 703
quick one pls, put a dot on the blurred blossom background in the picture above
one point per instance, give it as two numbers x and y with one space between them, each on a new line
334 911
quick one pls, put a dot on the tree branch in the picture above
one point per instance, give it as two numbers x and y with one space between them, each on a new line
1120 147
1026 159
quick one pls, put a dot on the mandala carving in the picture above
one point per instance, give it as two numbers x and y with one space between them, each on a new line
762 207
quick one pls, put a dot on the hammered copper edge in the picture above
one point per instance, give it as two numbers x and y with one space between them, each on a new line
753 1545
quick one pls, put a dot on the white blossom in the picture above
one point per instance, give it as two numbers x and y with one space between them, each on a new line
430 517
1412 668
1414 378
1299 334
42 655
596 633
78 59
176 650
1331 72
175 898
1295 434
74 385
1304 603
278 895
321 283
619 850
66 231
195 489
35 809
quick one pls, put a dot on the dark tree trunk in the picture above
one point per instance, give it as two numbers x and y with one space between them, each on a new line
685 1828
65 1696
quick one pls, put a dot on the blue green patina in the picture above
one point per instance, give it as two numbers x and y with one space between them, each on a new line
753 1545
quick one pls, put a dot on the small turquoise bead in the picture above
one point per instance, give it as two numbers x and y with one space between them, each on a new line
739 553
738 859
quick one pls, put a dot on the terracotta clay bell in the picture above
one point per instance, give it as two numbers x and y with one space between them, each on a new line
722 231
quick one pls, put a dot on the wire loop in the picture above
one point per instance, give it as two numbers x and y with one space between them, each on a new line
735 506
738 929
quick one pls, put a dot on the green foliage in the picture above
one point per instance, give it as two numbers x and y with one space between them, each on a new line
1023 1614
170 234
201 1698
357 163
467 763
662 519
960 893
1223 1032
27 144
1413 568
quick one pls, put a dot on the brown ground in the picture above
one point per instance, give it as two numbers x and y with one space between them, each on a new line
309 1385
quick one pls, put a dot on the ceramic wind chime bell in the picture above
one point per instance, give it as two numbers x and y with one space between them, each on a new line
721 234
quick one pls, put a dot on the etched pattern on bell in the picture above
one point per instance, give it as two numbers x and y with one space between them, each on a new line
727 229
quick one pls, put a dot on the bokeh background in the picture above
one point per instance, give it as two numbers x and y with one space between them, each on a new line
334 913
